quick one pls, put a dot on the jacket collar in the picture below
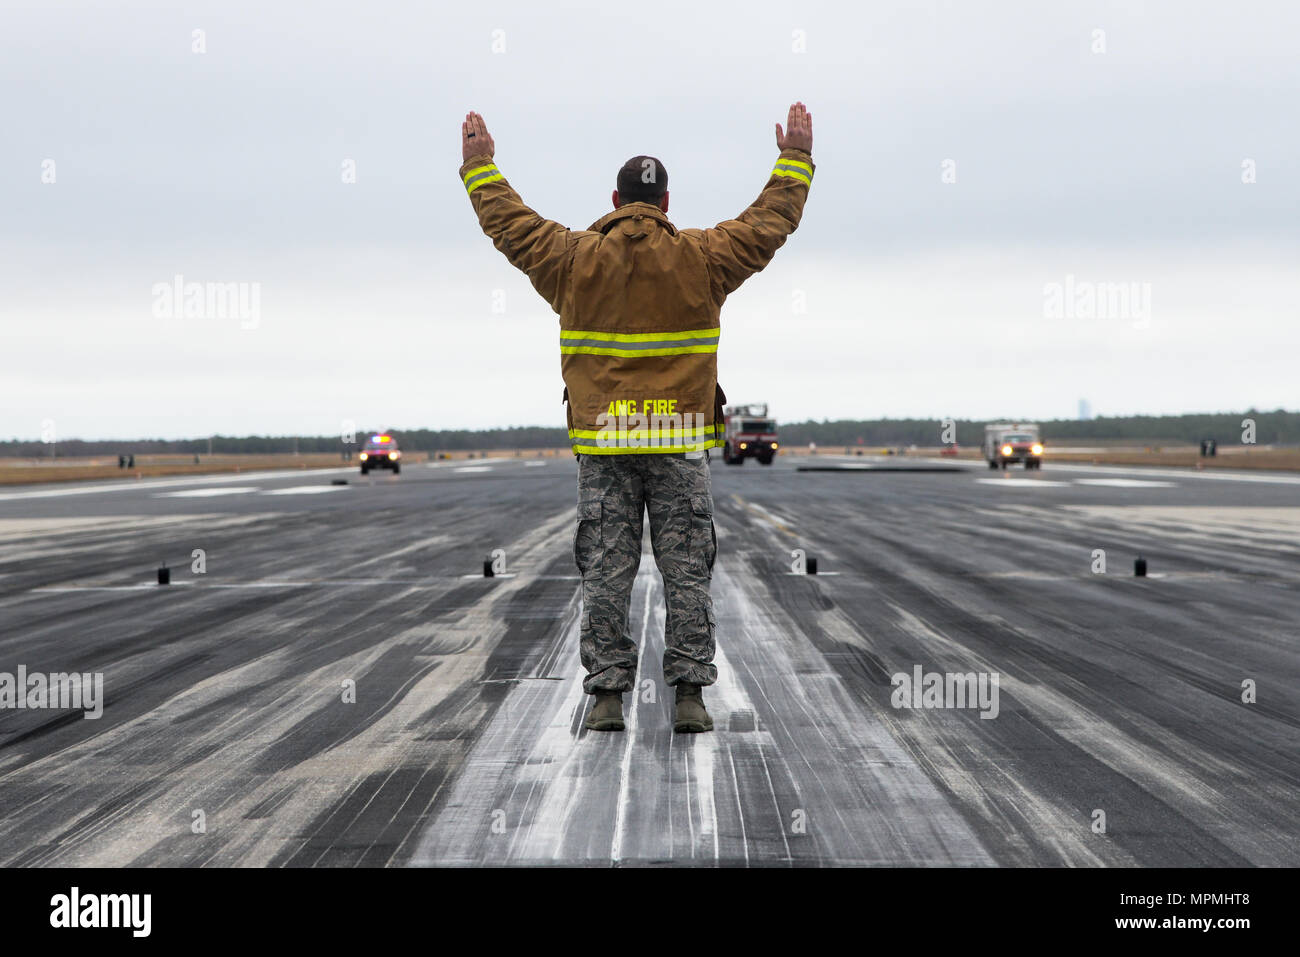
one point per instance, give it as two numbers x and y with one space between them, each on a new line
634 211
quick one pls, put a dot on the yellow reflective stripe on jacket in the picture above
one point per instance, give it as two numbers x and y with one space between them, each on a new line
634 353
634 344
640 336
645 439
480 175
795 169
699 433
648 450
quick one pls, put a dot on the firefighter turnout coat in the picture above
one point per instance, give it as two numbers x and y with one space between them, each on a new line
639 302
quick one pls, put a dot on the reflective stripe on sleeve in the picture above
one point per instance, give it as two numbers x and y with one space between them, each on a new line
482 174
795 169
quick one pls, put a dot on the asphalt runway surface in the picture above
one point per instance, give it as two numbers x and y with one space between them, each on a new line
342 687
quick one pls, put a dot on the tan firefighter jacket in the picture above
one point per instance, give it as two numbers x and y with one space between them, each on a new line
639 303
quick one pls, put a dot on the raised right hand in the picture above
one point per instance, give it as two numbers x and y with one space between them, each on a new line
798 135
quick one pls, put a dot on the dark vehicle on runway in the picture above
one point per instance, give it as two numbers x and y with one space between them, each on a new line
749 433
381 452
1010 443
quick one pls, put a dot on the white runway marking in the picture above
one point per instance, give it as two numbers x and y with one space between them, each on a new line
1021 482
412 584
1125 483
473 468
143 586
209 492
533 465
625 783
306 489
1221 475
136 485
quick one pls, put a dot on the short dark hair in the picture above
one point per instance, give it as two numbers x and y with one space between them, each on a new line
642 179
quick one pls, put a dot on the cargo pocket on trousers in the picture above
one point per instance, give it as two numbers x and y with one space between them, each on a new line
704 537
586 536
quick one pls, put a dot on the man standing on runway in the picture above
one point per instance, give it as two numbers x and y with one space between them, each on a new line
639 303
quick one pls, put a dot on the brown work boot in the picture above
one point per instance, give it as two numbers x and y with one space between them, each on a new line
691 716
606 713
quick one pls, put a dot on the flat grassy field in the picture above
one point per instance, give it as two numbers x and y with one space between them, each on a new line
30 471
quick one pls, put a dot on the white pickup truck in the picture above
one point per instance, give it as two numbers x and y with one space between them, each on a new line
1009 442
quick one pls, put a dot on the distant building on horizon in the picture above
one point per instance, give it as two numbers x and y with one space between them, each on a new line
1085 410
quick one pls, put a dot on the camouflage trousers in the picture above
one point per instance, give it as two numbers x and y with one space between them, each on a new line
614 491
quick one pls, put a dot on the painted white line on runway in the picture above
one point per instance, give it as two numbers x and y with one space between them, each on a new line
873 461
209 492
473 468
1022 482
408 583
1125 483
306 489
703 753
1226 474
625 786
892 464
136 485
142 586
449 464
533 465
1221 475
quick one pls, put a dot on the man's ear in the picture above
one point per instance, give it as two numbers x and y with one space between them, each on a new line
614 199
663 203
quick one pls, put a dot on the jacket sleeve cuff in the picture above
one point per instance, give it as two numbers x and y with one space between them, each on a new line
478 171
797 164
480 159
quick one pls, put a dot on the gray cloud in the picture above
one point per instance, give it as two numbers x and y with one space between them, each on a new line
1122 166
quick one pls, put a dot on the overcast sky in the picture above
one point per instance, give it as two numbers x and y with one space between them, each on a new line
1080 158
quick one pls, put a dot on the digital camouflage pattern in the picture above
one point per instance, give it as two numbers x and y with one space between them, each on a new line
614 491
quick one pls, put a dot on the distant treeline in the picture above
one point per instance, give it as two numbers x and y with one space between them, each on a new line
1279 428
430 440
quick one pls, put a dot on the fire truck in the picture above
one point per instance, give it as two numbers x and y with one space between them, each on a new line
1008 442
749 433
